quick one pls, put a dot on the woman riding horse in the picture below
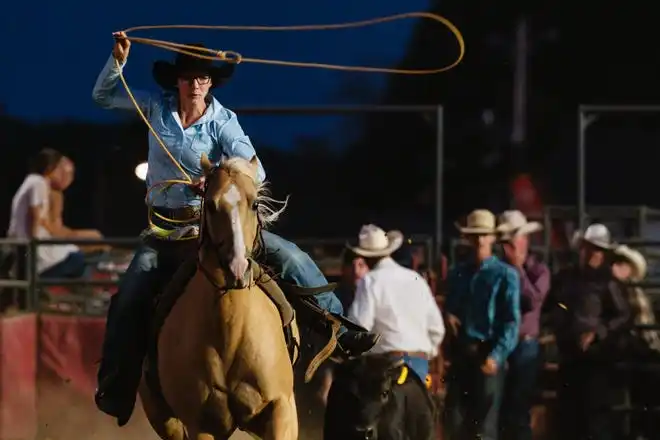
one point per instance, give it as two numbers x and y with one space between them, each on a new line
191 122
230 367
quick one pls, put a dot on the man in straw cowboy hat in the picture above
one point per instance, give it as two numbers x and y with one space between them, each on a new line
190 122
629 266
396 302
590 314
523 363
483 315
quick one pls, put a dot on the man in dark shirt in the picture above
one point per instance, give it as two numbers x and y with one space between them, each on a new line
590 313
520 385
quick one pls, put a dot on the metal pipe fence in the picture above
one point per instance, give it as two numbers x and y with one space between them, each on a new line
626 408
326 253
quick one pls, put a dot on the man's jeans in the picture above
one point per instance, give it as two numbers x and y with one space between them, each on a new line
473 399
127 328
519 390
73 266
419 365
584 398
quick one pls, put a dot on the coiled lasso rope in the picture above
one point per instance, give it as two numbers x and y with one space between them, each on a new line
235 57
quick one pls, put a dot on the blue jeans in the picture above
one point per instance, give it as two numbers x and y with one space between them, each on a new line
519 390
127 327
295 266
73 266
419 365
473 399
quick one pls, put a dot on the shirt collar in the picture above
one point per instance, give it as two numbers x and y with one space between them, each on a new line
385 262
213 107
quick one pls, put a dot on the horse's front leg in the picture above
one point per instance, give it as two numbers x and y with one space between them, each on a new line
283 423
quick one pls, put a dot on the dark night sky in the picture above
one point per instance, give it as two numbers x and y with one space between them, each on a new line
591 52
56 49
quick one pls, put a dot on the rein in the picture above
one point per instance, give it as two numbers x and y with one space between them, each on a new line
237 58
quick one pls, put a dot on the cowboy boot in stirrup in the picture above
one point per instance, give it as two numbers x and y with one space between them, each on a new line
355 343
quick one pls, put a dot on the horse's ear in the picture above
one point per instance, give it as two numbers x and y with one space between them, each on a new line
255 163
206 164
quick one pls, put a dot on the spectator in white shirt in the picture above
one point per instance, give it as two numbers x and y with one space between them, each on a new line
396 303
30 219
60 181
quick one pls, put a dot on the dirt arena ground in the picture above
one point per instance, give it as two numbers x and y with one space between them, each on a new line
64 414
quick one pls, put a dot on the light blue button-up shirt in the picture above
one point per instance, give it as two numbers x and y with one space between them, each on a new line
217 133
486 299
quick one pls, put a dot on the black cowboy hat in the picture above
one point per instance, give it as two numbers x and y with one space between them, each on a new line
166 73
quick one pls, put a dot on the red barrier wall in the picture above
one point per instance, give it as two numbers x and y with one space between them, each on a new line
69 351
47 379
18 367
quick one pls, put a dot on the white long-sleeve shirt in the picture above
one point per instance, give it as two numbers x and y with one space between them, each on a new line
397 303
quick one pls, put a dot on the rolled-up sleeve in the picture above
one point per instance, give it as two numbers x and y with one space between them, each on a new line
109 94
436 325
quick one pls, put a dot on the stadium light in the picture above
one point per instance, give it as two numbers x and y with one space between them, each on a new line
141 170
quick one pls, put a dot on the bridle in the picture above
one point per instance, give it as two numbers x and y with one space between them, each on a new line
206 240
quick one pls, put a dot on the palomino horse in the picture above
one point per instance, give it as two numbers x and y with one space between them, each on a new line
222 357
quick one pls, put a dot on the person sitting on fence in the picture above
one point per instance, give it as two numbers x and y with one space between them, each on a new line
30 219
629 266
61 180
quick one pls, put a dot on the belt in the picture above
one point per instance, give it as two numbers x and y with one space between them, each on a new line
527 338
184 213
172 247
174 224
417 354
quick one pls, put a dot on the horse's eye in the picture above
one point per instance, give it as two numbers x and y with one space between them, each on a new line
255 205
385 394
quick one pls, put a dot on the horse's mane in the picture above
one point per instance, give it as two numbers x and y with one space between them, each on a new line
266 205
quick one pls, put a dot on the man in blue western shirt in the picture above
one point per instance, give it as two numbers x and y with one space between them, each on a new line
483 315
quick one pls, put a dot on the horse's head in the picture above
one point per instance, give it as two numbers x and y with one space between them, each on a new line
230 220
361 397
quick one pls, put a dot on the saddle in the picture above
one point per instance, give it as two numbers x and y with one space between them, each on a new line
287 298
